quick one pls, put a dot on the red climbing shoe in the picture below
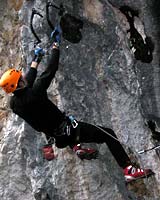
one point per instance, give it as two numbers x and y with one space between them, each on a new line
48 152
87 153
132 173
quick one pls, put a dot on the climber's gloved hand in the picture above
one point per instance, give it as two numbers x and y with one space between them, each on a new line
56 34
38 54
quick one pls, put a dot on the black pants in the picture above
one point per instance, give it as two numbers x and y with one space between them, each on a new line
91 134
87 133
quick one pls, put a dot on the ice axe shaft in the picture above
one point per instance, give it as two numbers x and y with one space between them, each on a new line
60 13
35 12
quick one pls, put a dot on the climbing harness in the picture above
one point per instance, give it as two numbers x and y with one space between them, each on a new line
65 127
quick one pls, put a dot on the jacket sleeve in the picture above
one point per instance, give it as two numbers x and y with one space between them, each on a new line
42 83
31 76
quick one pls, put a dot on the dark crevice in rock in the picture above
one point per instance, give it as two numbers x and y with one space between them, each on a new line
142 48
155 11
71 27
152 125
47 194
41 195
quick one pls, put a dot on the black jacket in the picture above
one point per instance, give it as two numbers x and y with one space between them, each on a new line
32 103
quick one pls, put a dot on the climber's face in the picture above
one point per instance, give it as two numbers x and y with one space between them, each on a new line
21 83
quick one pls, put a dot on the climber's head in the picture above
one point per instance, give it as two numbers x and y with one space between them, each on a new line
9 80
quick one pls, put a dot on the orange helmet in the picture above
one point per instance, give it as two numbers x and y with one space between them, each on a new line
9 80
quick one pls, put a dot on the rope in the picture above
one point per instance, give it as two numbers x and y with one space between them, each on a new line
107 133
140 152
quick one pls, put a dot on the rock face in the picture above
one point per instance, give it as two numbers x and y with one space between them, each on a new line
110 77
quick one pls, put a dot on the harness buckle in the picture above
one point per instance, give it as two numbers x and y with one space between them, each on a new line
68 130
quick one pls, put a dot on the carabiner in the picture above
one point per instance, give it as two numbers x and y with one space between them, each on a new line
73 121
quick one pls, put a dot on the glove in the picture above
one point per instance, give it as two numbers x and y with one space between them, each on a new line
38 54
56 34
39 51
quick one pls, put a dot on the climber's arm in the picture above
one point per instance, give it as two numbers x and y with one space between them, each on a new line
42 83
32 73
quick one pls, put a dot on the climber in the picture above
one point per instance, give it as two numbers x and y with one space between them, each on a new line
30 102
